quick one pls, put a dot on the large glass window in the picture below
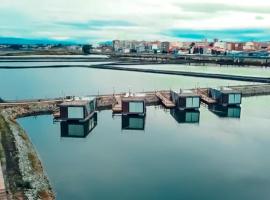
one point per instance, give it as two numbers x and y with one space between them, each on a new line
234 98
192 117
234 112
196 102
92 106
192 102
75 113
136 107
237 98
76 130
189 102
231 98
136 123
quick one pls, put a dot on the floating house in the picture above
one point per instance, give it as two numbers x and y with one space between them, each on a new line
78 129
77 110
226 96
133 122
186 100
186 116
226 111
133 105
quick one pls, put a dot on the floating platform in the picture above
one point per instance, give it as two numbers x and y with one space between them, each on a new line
117 106
204 96
165 101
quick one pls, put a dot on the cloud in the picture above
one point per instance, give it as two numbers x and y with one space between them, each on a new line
222 7
259 18
96 24
88 20
224 34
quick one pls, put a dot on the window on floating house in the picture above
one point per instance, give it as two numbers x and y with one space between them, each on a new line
135 122
76 130
192 117
136 107
75 113
234 98
192 102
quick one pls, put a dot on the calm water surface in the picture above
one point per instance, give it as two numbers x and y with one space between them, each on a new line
217 158
214 158
51 82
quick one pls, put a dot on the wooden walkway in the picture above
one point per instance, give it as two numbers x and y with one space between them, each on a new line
253 90
204 96
117 107
165 101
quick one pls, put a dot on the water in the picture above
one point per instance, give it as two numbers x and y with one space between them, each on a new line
215 158
233 70
191 156
51 82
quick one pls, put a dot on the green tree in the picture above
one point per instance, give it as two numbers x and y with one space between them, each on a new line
87 48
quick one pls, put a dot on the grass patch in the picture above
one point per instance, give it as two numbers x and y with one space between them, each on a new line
34 162
44 195
23 136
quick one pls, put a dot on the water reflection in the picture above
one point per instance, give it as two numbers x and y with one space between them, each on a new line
133 122
78 129
230 111
186 116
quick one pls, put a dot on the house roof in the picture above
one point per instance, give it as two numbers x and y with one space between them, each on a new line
74 103
186 93
227 90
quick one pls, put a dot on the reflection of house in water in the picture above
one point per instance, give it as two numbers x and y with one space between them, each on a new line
78 129
186 116
230 111
133 122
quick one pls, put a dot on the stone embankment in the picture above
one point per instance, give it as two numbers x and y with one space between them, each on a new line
25 177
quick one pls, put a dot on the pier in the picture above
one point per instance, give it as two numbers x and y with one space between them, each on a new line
117 106
204 96
113 101
165 99
184 73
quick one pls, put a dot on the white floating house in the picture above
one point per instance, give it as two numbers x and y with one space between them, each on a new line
226 96
77 110
186 99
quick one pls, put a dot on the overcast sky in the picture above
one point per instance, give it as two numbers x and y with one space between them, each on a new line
101 20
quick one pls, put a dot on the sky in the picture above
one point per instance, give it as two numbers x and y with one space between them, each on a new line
105 20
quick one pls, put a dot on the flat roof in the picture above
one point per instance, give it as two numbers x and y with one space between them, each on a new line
75 103
87 98
133 99
186 93
228 90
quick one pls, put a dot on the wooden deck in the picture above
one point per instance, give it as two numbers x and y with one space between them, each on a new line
204 96
165 101
253 90
117 107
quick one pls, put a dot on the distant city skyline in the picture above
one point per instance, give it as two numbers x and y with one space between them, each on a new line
87 21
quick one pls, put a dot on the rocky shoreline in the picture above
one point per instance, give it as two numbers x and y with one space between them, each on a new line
24 175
